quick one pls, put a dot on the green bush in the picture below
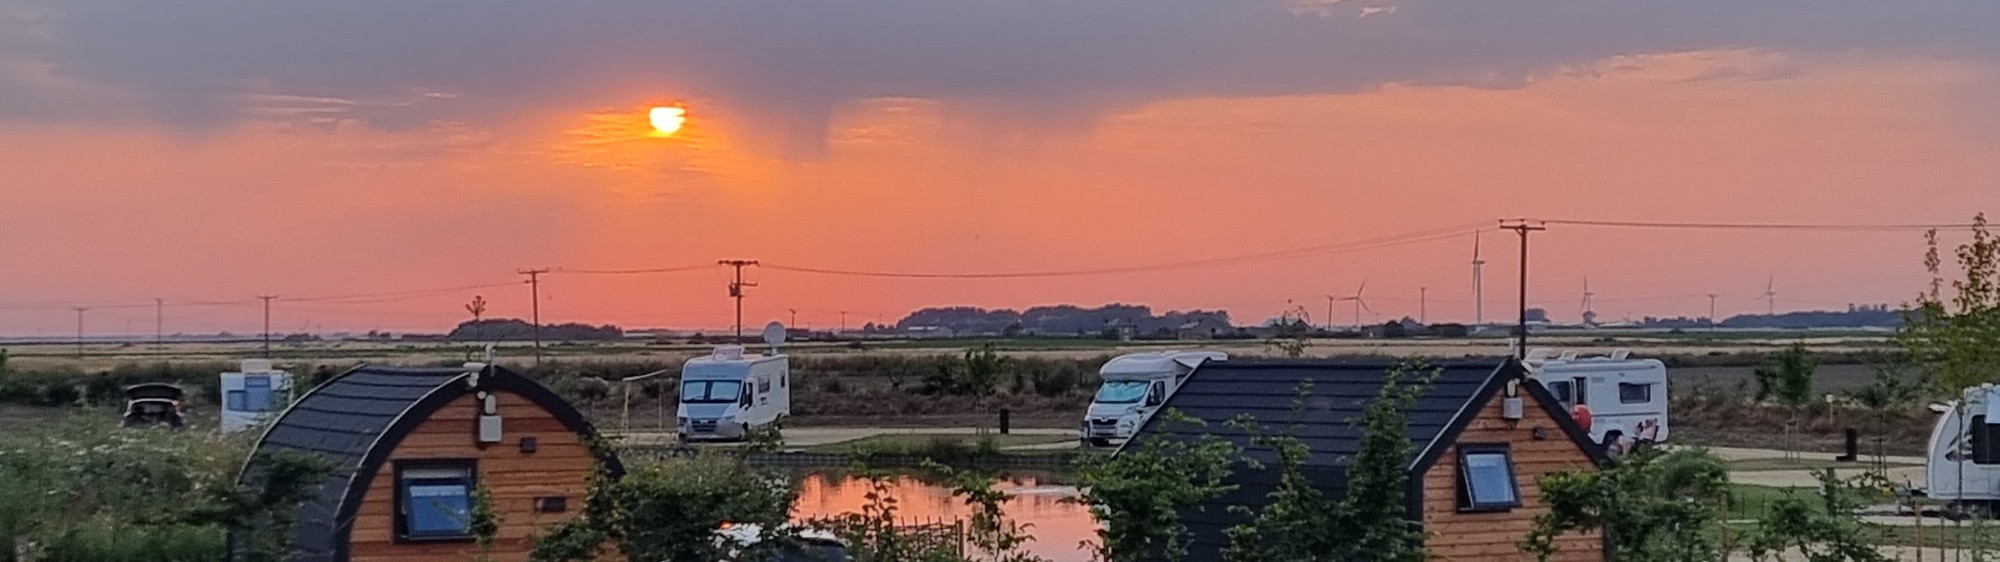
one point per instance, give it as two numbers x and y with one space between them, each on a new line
114 542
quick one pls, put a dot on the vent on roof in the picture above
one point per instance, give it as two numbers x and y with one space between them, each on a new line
1620 354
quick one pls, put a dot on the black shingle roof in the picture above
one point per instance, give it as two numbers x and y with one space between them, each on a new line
1266 391
340 422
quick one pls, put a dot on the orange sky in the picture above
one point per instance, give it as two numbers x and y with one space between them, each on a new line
301 198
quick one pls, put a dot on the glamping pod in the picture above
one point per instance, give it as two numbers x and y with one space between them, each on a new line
1483 434
409 448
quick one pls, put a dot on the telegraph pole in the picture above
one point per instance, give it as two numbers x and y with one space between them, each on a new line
267 323
1711 311
1523 227
1424 305
795 317
535 307
159 323
79 329
736 290
843 321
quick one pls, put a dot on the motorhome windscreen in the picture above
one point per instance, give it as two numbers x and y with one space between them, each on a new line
1121 392
710 391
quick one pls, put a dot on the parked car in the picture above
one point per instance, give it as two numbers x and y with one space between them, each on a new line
153 404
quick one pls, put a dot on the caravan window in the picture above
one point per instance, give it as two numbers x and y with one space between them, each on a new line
1634 393
434 500
710 391
1582 391
1563 392
1984 450
257 396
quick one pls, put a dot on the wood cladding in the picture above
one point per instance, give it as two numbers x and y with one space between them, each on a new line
1496 535
559 467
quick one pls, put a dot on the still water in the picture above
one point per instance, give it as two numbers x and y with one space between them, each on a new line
1058 527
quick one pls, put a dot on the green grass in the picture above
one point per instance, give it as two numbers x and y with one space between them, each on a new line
923 444
1804 463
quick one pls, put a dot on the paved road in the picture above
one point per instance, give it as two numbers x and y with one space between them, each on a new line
816 436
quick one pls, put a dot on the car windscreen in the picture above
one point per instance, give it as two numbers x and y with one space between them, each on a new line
1121 392
710 391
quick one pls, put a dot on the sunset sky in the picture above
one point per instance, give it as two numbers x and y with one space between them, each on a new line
209 151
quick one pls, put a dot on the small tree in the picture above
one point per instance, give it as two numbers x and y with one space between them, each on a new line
1891 390
1370 523
1955 339
1654 506
1138 496
1791 383
1828 530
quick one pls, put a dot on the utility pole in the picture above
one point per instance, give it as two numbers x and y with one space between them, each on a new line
1523 227
1424 305
795 317
79 329
159 323
736 290
1711 311
267 323
535 307
843 321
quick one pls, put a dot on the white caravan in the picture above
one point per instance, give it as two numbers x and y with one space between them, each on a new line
1622 401
254 395
1134 387
1962 464
731 396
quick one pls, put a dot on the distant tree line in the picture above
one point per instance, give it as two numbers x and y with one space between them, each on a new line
515 329
1065 320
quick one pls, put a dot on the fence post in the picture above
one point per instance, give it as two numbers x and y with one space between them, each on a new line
1006 416
1853 446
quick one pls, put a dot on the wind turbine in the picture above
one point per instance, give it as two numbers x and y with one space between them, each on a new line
1359 304
1478 286
1771 295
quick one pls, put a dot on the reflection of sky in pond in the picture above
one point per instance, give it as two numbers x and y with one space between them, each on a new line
1058 527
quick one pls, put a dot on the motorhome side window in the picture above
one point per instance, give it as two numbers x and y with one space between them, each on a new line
1157 395
1582 391
1562 391
1634 393
1984 450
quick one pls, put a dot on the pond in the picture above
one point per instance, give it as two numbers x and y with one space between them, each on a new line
1059 528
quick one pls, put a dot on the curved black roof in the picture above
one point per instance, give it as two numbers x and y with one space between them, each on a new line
354 420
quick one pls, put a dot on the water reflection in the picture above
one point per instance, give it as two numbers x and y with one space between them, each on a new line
1058 527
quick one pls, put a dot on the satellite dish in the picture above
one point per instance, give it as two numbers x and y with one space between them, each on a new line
774 334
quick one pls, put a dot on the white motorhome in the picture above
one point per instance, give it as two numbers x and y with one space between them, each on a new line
1134 386
730 396
1962 464
1622 401
254 395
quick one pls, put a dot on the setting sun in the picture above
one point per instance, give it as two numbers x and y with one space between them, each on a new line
666 120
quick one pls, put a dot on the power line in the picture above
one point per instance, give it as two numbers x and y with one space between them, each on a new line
647 271
1245 259
1805 227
